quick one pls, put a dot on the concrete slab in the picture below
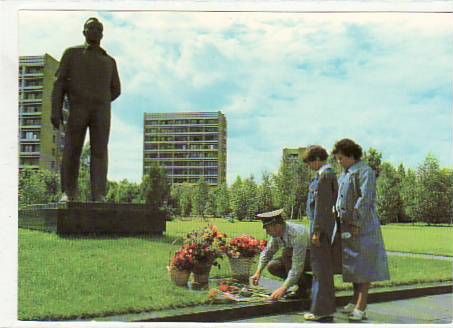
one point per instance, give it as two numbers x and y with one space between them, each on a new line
427 309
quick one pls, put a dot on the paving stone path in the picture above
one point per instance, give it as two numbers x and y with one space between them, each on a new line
421 256
421 310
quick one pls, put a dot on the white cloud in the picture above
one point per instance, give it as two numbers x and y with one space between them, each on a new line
283 80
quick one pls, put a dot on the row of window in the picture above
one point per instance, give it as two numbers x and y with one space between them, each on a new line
198 155
35 162
30 135
183 163
29 148
180 147
181 121
182 138
29 161
31 109
31 121
194 180
211 171
32 95
171 130
31 69
30 82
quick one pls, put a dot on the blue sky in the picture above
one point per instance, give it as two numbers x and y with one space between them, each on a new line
282 80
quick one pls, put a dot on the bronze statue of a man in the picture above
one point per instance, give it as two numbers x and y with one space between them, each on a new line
88 76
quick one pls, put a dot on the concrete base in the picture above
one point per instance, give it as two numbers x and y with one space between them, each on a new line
74 218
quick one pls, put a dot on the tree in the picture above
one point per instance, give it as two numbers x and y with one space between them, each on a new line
238 199
200 198
125 192
389 203
83 181
222 200
185 200
211 203
265 197
175 196
432 201
409 193
32 188
292 182
373 158
155 188
251 197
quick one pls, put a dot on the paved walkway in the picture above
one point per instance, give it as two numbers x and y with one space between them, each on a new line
422 310
421 256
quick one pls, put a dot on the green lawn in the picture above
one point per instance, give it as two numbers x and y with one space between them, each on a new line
64 278
421 239
436 240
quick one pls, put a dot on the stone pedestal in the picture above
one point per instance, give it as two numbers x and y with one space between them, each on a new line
75 218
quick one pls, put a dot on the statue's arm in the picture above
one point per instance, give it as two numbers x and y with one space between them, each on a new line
60 89
115 85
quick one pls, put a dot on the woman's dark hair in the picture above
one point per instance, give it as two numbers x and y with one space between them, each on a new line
348 148
313 153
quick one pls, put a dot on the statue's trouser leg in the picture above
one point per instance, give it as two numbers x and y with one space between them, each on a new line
99 138
75 135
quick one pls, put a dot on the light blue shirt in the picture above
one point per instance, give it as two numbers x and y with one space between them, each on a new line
295 236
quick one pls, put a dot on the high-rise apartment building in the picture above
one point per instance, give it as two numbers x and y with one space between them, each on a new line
188 145
293 153
40 145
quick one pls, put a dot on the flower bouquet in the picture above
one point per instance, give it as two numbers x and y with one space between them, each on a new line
241 251
231 290
204 247
180 267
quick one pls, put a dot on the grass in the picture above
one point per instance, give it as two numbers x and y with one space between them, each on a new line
437 240
422 239
65 278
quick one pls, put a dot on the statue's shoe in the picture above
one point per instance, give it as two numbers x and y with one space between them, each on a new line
65 198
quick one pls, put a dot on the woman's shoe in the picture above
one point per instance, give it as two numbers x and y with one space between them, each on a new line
357 315
313 317
348 308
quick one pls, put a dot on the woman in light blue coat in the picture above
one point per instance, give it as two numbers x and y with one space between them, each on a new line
364 257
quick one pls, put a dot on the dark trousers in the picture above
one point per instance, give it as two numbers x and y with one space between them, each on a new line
323 290
280 267
96 117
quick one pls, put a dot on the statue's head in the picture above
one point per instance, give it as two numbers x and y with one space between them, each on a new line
92 30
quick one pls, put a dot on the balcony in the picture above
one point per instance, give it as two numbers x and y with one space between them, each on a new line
28 140
181 133
182 124
28 166
29 153
31 87
32 74
30 114
31 100
30 126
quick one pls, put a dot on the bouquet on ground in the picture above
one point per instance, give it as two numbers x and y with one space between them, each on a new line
245 246
231 290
